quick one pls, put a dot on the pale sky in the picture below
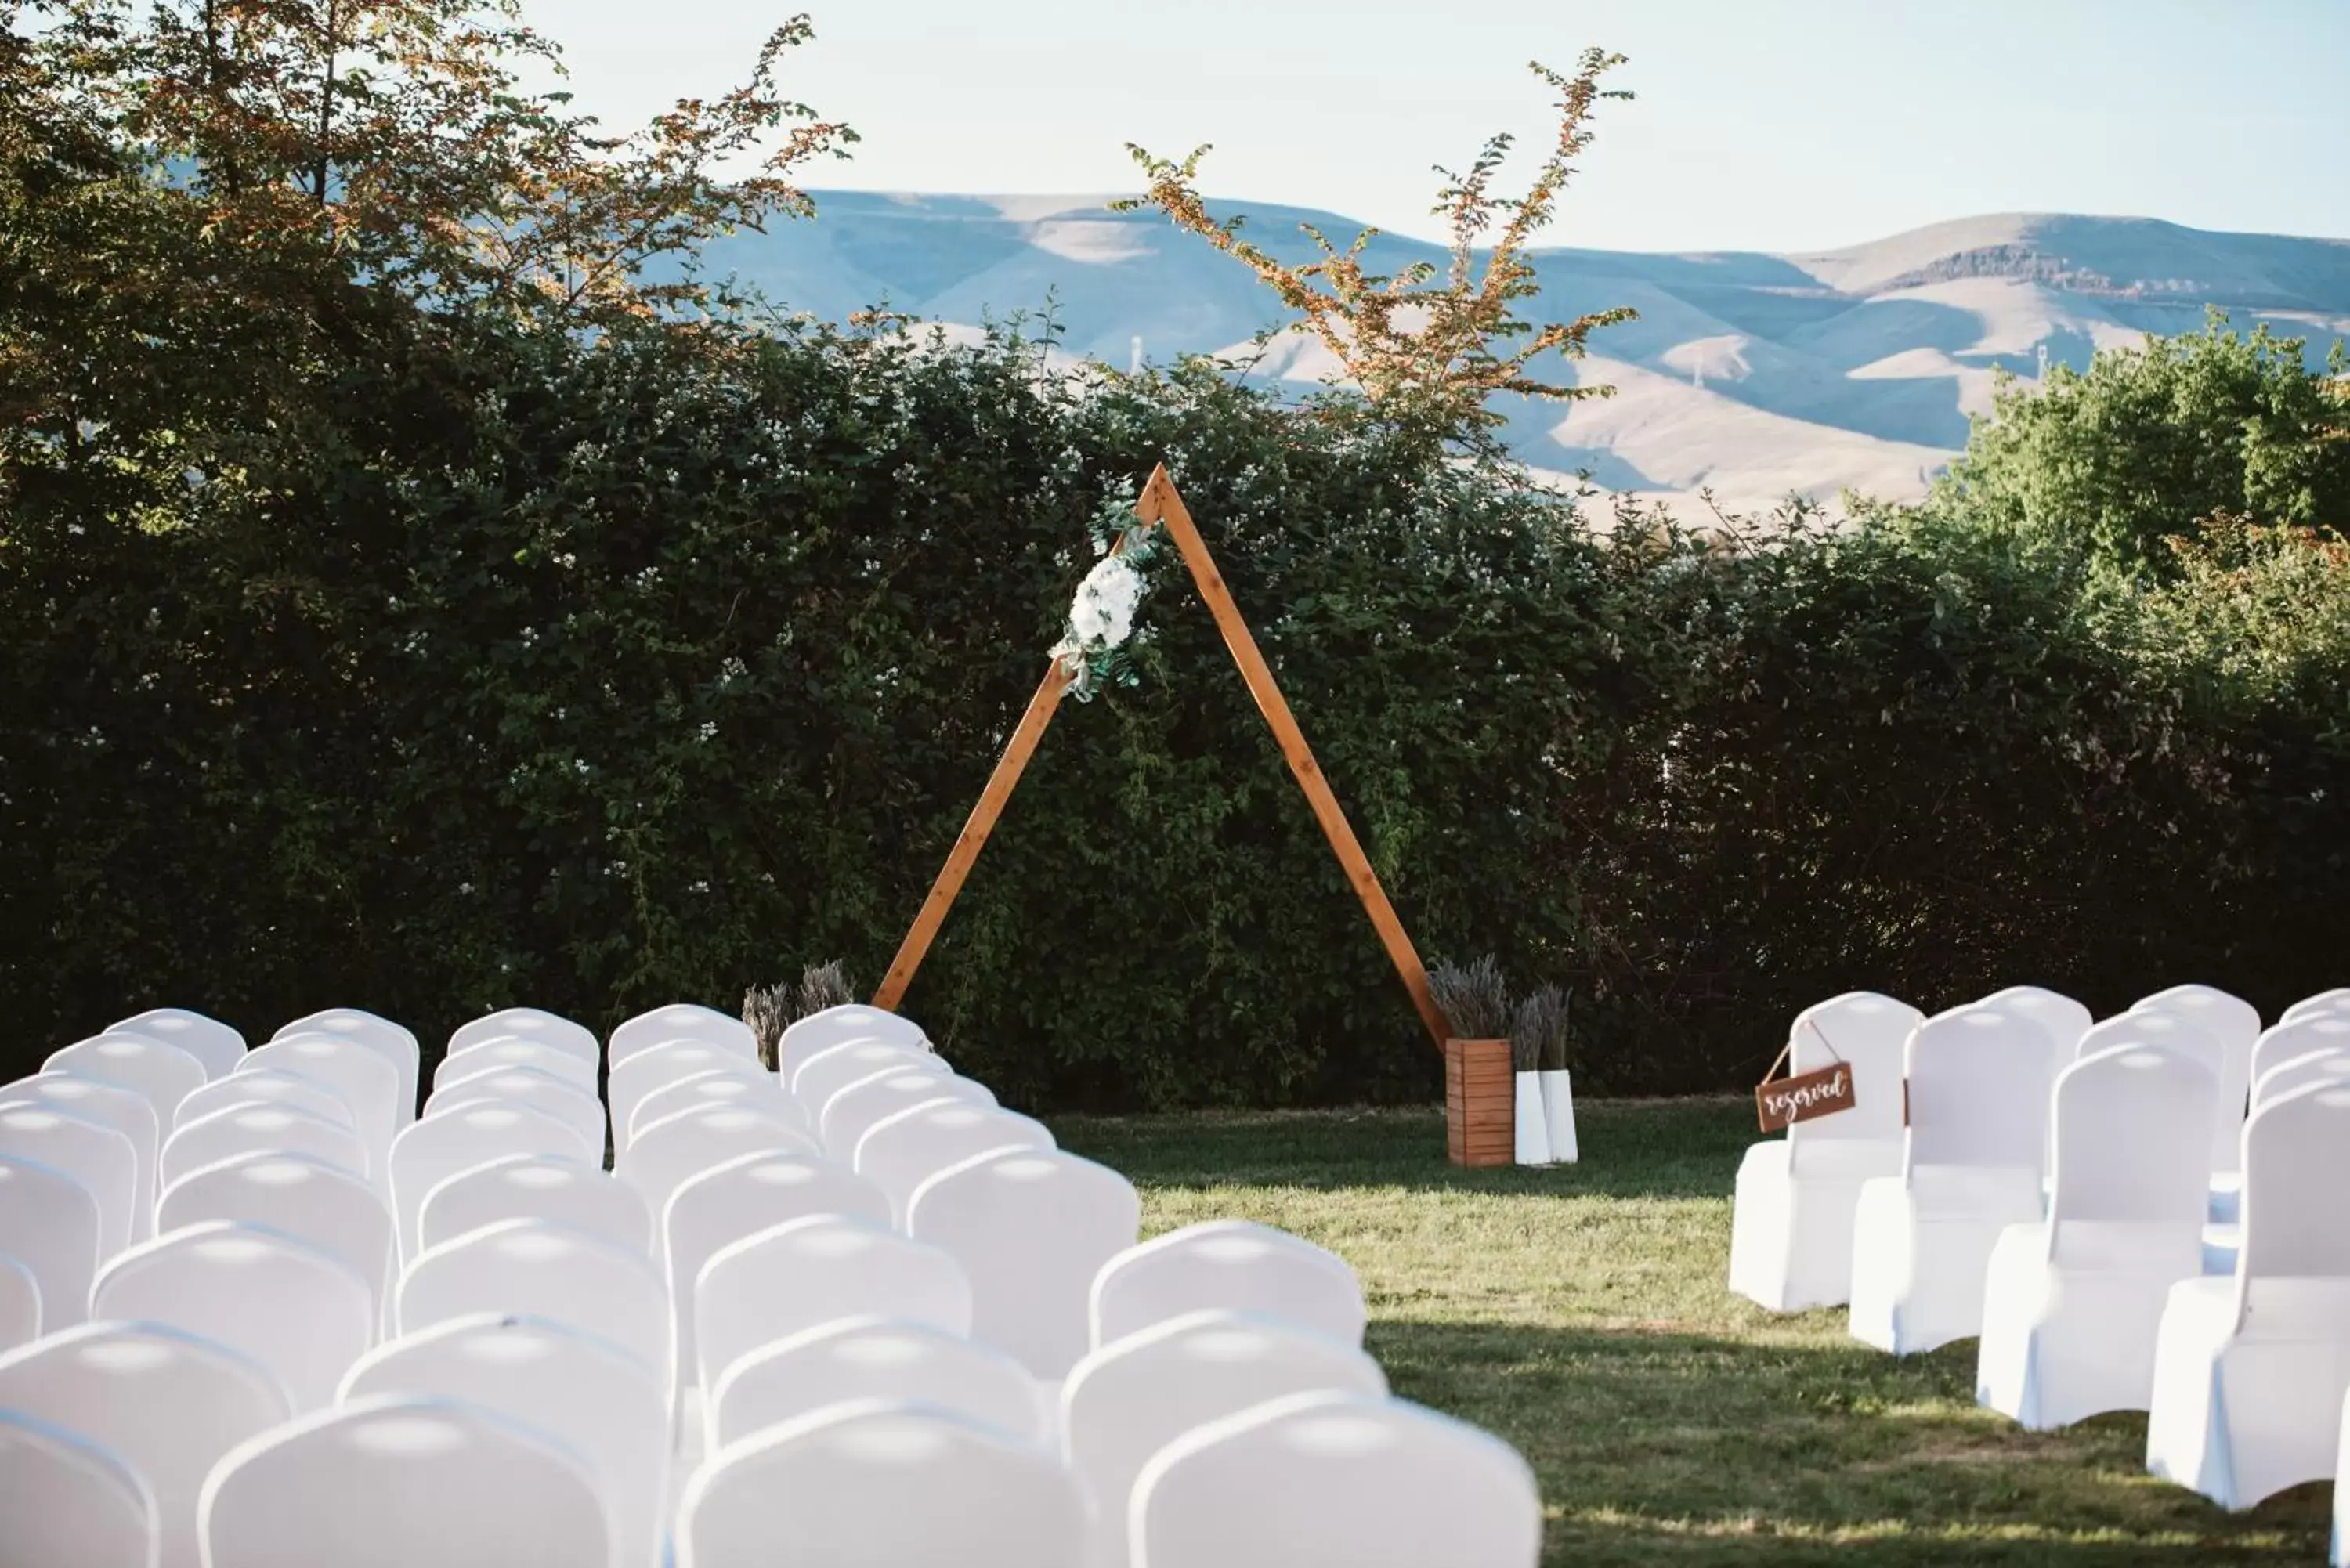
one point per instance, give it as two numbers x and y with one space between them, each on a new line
1760 124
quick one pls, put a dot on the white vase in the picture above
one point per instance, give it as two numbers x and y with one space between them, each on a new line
1558 1114
1533 1137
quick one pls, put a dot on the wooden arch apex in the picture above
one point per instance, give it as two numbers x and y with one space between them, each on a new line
1159 506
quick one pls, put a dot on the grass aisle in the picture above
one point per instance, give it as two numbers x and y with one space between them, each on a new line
1580 1313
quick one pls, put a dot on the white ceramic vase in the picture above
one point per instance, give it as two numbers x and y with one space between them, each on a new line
1533 1130
1558 1113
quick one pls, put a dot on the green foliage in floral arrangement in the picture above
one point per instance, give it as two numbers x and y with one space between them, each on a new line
1473 998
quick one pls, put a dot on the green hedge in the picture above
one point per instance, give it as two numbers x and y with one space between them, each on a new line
591 673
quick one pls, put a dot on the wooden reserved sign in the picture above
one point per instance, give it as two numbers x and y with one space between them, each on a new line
1805 1096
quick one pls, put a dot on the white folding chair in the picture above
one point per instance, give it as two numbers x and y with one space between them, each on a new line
165 1074
268 1086
429 1151
663 1156
314 1200
1978 1099
512 1051
1370 1482
881 1482
716 1208
127 1111
2251 1371
794 1276
2064 1019
593 1395
758 1091
2070 1304
50 1223
853 1358
681 1021
259 1129
302 1313
1031 1228
2325 1004
528 1023
208 1039
398 1481
817 1078
538 1268
2299 1072
908 1148
20 1303
538 1187
634 1079
2282 1044
168 1403
97 1156
1791 1225
393 1041
851 1112
1235 1265
70 1502
1132 1396
362 1076
574 1107
821 1030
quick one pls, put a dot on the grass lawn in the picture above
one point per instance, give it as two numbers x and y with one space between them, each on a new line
1580 1313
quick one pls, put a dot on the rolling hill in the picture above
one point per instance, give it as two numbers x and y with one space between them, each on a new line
1751 374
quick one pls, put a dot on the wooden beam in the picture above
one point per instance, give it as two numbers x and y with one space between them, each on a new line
1161 504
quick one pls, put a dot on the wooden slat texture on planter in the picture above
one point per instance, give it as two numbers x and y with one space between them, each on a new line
1480 1102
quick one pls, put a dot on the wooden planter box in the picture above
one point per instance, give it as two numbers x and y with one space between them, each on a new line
1480 1103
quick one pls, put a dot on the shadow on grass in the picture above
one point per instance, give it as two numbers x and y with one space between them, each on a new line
1643 1148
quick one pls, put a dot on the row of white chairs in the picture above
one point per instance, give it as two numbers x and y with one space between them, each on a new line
849 1311
2093 1201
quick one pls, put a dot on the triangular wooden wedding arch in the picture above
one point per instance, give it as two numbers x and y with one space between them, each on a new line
1159 506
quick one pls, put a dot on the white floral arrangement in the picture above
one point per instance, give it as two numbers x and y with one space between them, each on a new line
1101 616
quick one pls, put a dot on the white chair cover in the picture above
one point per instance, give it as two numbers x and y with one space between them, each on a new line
908 1148
877 1482
393 1041
634 1078
269 1086
50 1223
574 1107
838 1026
2064 1019
715 1208
302 1313
528 1023
855 1358
1031 1228
429 1151
2189 1035
1791 1225
817 1078
681 1021
97 1156
127 1111
2299 1037
512 1051
2072 1305
804 1273
674 1150
165 1074
208 1039
1132 1396
260 1129
399 1481
2231 1020
70 1504
596 1397
537 1267
538 1187
20 1303
1979 1083
2323 1003
168 1403
2251 1371
1235 1265
312 1200
363 1077
2298 1072
756 1091
852 1112
1371 1482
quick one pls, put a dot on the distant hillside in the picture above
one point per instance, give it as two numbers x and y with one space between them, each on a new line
1751 374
